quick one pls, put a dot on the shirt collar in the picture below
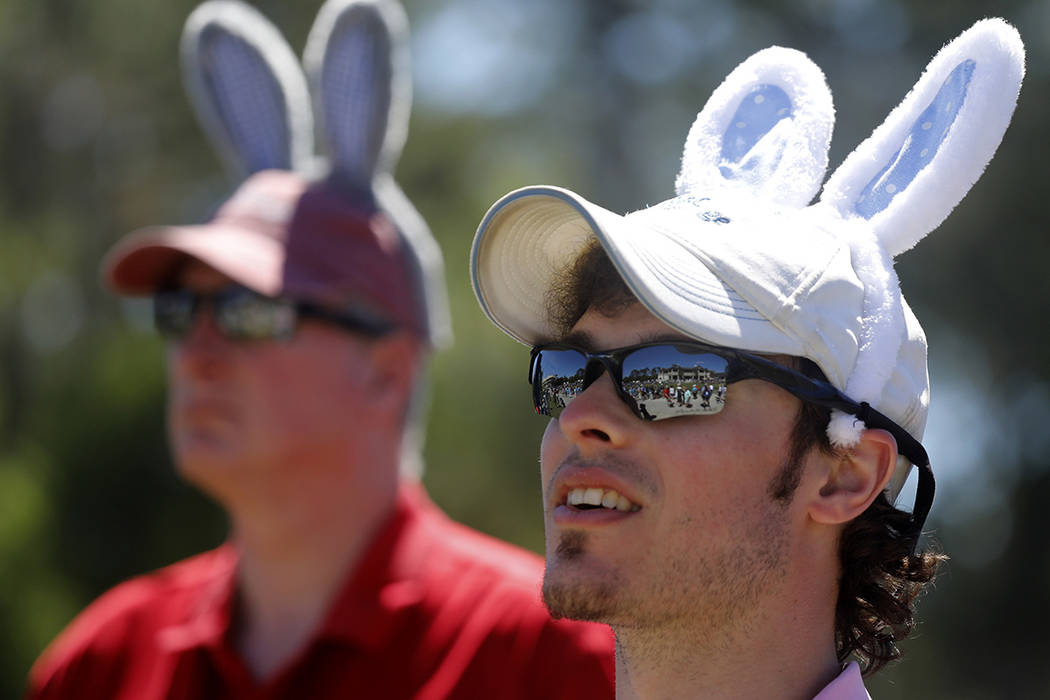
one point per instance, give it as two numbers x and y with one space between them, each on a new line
208 621
847 686
386 582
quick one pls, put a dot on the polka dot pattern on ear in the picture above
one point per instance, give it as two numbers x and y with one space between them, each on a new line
921 144
754 120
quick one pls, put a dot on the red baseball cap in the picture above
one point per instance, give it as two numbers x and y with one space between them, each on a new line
281 234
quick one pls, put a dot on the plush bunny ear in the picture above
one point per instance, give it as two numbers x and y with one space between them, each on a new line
247 88
765 131
424 255
357 62
913 170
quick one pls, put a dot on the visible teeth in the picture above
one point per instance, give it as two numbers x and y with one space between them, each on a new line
606 498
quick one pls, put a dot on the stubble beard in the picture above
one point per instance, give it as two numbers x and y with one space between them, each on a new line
717 591
574 600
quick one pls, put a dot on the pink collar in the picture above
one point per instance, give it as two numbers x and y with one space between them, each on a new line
847 686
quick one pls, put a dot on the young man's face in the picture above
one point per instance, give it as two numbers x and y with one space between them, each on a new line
707 539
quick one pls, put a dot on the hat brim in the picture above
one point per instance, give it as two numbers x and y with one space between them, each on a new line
529 237
148 258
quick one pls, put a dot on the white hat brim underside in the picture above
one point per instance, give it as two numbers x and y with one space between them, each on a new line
530 236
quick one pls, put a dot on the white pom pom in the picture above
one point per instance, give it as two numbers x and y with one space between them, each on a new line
844 430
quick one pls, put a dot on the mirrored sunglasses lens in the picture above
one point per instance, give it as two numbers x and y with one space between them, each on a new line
173 312
669 380
244 315
557 379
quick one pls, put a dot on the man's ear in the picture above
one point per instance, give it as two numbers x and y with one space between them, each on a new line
394 364
856 479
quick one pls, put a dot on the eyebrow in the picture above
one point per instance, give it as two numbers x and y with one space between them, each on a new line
580 339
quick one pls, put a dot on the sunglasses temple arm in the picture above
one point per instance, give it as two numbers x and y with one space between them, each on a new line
923 499
372 326
913 450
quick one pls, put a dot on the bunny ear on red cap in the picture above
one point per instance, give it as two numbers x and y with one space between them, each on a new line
253 99
358 66
247 88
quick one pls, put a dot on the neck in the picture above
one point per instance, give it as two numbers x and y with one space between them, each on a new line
784 649
297 546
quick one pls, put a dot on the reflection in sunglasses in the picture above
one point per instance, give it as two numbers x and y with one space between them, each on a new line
656 381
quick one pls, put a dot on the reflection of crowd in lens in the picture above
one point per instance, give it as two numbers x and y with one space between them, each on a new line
676 387
558 391
681 396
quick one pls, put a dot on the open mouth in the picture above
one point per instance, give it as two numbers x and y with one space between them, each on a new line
594 498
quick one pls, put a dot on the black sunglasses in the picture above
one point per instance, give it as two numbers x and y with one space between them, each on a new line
242 314
660 380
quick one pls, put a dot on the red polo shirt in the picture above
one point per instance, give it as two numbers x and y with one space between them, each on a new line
434 610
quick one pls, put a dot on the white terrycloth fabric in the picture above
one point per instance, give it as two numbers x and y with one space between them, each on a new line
797 143
946 169
881 332
998 54
739 259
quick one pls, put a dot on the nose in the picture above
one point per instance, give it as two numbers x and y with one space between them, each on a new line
202 349
598 417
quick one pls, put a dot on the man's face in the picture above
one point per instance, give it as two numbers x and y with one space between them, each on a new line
243 413
706 539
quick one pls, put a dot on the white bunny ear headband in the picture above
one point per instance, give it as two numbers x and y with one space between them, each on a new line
253 99
740 259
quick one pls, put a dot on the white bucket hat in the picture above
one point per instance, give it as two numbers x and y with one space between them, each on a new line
740 259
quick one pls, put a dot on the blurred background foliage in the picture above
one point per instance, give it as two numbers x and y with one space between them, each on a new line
97 139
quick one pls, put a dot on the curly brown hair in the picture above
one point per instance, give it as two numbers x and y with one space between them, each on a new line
882 572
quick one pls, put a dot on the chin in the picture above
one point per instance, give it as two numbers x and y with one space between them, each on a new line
206 463
576 587
202 452
575 601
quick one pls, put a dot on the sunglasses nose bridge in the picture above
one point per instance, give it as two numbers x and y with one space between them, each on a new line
202 316
601 364
594 369
200 309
